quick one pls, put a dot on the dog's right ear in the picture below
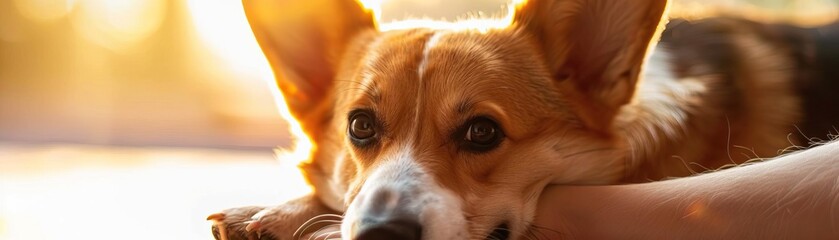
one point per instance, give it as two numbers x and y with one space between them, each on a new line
594 48
303 41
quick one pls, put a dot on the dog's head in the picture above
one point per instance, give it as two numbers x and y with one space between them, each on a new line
452 134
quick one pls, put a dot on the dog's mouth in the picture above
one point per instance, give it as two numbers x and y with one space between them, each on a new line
501 232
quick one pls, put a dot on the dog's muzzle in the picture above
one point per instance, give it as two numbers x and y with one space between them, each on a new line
400 200
385 217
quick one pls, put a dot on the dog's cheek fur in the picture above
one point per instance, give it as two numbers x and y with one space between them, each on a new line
503 186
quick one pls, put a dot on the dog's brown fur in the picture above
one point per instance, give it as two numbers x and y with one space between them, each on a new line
571 93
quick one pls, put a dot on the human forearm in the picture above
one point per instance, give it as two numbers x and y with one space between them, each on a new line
795 195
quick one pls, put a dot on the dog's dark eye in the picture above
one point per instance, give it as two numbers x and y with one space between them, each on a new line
362 128
482 135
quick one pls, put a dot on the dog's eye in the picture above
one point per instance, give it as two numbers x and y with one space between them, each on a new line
482 135
362 128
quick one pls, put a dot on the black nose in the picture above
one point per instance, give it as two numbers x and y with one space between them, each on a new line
399 229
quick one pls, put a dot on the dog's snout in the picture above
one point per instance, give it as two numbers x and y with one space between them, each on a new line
382 203
396 229
385 215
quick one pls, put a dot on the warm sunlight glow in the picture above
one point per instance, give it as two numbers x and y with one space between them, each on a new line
479 24
44 10
81 192
805 13
374 6
118 24
224 27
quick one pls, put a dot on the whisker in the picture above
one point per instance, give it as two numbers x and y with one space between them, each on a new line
328 236
329 224
315 234
587 151
325 221
312 221
302 229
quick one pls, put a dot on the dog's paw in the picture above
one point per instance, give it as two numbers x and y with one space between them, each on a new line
239 224
298 219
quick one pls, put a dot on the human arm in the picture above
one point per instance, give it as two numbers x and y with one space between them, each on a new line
791 197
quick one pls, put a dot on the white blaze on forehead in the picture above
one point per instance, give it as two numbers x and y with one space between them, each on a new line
416 192
429 44
421 69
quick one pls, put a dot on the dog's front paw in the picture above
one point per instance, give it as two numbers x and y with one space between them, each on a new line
298 219
237 224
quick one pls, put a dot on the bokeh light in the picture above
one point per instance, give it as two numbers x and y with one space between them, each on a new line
118 24
224 28
44 10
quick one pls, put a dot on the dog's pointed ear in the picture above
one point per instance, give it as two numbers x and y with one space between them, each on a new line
303 41
595 48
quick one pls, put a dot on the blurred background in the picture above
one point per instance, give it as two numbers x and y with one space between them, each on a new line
134 119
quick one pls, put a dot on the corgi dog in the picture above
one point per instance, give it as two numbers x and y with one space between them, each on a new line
453 133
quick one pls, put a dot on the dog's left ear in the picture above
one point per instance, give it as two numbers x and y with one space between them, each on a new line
594 48
304 40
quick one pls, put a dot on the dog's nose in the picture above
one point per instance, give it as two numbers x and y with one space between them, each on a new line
396 229
384 216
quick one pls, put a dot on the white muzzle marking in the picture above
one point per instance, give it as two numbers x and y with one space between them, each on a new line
401 188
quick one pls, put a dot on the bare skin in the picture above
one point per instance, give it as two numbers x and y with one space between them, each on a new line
791 197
